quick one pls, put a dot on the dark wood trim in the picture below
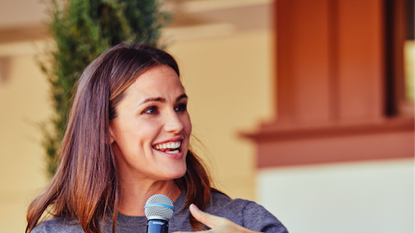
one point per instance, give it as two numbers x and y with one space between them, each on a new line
331 86
394 33
347 148
275 132
293 145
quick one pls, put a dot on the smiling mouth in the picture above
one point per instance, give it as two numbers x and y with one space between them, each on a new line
169 147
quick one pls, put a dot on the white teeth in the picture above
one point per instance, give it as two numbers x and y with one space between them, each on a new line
173 152
171 145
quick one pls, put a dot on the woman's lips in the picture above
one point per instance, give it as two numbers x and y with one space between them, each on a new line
171 149
168 146
173 156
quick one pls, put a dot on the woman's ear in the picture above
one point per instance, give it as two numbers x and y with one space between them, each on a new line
112 138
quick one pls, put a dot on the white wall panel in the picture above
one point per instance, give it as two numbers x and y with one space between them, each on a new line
341 198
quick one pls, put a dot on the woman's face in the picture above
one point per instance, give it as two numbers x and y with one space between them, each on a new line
150 135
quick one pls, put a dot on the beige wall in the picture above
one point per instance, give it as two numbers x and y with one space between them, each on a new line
23 104
227 79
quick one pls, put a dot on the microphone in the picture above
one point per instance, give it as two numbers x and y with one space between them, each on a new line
158 209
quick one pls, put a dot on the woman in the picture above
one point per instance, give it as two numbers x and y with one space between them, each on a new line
127 139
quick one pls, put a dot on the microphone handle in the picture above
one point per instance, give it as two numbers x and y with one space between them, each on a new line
157 226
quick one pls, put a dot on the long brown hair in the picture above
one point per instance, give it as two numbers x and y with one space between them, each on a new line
85 186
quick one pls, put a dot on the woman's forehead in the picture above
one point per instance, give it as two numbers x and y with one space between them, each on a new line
158 81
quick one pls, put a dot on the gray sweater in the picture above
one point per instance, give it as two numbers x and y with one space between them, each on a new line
243 212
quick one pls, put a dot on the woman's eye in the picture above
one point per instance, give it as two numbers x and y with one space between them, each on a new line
150 110
181 108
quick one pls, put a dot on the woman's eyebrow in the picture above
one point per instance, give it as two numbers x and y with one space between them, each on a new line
152 99
181 97
160 99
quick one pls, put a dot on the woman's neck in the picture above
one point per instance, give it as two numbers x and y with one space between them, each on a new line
134 195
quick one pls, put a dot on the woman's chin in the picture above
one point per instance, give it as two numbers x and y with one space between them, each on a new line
179 174
170 174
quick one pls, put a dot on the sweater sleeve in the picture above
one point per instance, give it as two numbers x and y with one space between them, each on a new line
245 213
257 218
55 225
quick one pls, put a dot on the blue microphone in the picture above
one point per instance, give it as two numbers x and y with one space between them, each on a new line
158 209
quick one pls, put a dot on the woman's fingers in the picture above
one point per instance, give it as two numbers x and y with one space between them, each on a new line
205 218
217 224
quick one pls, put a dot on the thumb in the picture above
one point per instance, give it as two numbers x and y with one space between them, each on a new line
205 218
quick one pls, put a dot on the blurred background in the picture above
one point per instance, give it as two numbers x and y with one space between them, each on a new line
305 106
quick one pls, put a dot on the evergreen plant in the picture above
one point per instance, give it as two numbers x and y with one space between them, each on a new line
81 31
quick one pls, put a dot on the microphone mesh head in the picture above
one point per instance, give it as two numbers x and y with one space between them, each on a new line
159 206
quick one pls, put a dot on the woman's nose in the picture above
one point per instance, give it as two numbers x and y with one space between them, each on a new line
173 123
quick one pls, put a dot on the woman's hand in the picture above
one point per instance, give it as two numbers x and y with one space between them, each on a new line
217 224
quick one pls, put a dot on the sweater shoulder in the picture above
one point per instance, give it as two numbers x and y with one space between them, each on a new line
58 224
246 213
224 204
